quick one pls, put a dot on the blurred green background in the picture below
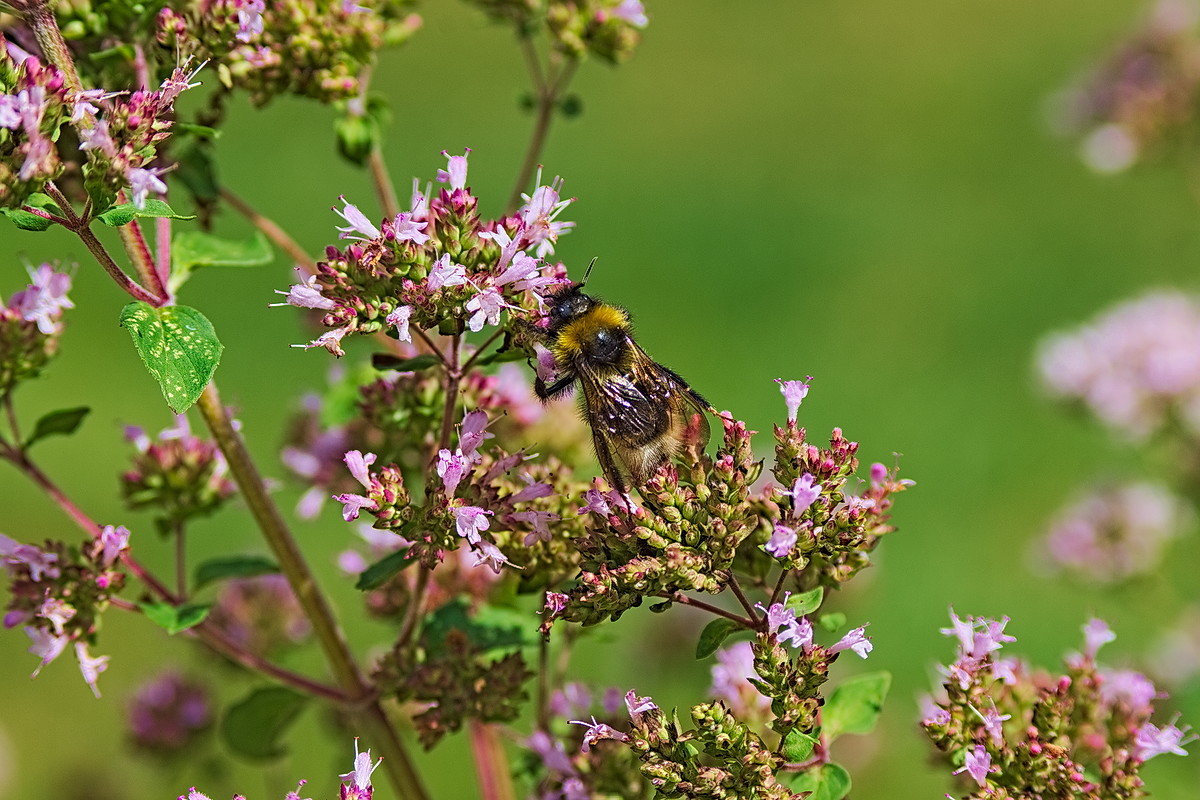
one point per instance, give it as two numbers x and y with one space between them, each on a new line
866 192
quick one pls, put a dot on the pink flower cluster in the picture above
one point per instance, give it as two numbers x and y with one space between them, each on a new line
1136 366
1114 533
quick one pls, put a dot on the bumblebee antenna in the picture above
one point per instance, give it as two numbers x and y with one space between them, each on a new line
589 270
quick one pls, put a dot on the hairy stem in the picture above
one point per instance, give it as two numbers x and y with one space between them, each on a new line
741 596
383 183
51 42
680 597
139 253
547 92
329 635
491 764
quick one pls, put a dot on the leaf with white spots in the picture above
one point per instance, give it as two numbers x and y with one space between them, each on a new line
179 347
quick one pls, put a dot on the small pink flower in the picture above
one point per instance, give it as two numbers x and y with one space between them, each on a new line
445 273
455 173
539 520
360 776
1153 741
804 492
90 667
855 640
142 182
491 555
1096 634
306 295
450 469
250 21
978 764
473 432
399 318
470 521
633 12
486 306
114 540
598 731
352 504
782 541
357 223
359 465
556 602
794 393
993 723
46 646
406 229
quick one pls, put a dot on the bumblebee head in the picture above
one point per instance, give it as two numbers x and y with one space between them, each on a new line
569 303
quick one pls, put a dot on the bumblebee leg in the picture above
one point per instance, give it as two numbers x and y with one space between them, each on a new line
545 392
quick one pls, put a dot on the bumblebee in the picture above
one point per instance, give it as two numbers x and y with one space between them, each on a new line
641 413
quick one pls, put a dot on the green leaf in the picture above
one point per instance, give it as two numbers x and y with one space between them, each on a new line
174 619
713 635
797 746
125 213
833 621
117 216
415 364
828 782
382 571
806 602
489 628
253 727
28 221
854 706
179 347
63 422
193 249
233 567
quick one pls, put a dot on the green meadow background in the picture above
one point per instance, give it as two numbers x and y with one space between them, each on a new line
867 192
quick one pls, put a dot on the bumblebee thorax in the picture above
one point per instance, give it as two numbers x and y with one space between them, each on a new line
598 335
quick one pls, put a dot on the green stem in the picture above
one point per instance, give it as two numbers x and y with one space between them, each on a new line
453 376
291 562
547 91
272 231
383 183
50 41
180 560
741 596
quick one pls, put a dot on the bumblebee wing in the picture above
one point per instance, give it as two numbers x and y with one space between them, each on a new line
686 409
644 413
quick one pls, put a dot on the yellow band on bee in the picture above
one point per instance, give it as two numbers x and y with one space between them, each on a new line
575 333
